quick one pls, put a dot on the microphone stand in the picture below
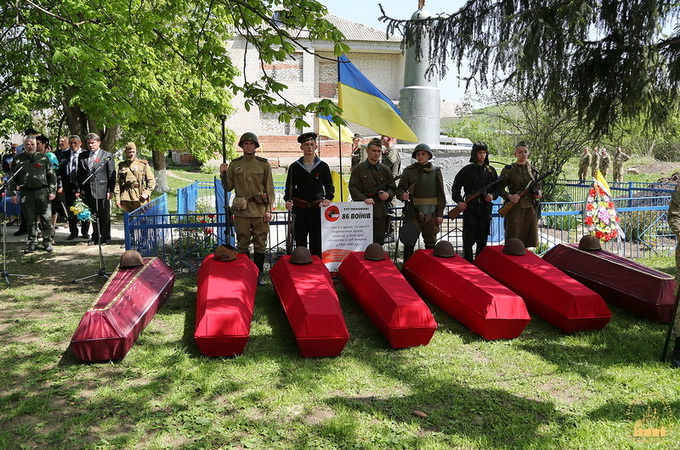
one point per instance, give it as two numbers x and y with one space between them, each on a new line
102 271
5 274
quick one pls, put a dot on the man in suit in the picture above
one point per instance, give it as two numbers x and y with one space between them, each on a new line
96 181
68 185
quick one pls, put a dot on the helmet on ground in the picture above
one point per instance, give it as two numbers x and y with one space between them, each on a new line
131 258
421 147
443 249
225 253
249 136
589 242
301 255
515 247
374 252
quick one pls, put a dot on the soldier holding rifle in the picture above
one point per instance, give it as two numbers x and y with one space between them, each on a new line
372 182
477 218
521 221
308 186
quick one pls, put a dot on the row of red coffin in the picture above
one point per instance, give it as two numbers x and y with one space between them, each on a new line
491 298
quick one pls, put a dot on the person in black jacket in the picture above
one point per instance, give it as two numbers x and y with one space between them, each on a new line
308 186
477 213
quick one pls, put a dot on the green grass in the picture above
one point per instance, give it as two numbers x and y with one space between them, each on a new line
544 389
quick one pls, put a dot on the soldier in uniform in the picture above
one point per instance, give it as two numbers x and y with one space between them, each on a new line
308 186
250 177
421 188
619 159
358 150
674 224
605 160
363 181
37 182
522 220
135 181
584 164
595 162
477 214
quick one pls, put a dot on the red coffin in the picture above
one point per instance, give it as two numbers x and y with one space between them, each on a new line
388 300
225 299
547 291
469 295
312 306
644 291
126 304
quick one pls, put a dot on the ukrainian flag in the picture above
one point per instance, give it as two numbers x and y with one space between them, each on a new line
329 129
365 104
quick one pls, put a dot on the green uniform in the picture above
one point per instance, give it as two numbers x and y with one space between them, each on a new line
250 177
522 220
595 162
426 185
674 224
35 180
605 160
619 159
583 165
134 179
365 176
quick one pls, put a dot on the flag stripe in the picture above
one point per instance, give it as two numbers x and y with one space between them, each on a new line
349 75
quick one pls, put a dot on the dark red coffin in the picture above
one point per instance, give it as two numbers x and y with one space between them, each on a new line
308 297
469 295
126 304
388 300
639 289
225 299
547 291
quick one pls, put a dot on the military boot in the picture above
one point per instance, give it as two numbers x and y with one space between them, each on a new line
30 248
258 258
675 357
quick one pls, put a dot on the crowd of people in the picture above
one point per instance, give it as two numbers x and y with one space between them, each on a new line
599 159
48 183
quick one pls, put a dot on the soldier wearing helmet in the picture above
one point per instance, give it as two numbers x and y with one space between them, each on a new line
250 177
476 213
421 188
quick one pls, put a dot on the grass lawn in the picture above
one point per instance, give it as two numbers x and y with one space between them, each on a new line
544 389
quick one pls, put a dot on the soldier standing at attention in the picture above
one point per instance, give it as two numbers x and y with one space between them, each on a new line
135 181
250 177
421 188
604 161
595 162
584 164
37 182
674 224
477 215
308 186
619 159
368 175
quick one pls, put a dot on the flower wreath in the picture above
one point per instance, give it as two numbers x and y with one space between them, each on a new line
600 215
80 210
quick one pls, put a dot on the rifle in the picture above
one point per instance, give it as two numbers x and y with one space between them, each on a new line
509 205
227 210
375 189
455 212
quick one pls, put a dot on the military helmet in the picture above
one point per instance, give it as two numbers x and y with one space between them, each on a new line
514 246
301 255
374 252
249 136
131 258
443 249
589 242
421 147
225 253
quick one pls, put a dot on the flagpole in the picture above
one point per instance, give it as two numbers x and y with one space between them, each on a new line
337 60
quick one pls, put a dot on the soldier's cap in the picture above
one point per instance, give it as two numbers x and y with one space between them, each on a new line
422 147
357 136
304 137
225 253
408 234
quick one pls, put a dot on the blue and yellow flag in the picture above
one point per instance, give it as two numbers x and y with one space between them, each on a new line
329 129
365 104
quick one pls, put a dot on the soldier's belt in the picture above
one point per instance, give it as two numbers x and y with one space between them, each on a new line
304 204
131 184
425 201
260 199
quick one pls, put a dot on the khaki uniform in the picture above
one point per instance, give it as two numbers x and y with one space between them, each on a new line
35 180
250 177
583 165
595 163
619 159
674 224
605 160
522 220
134 179
363 179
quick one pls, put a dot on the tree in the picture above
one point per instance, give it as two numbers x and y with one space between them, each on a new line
155 72
606 59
